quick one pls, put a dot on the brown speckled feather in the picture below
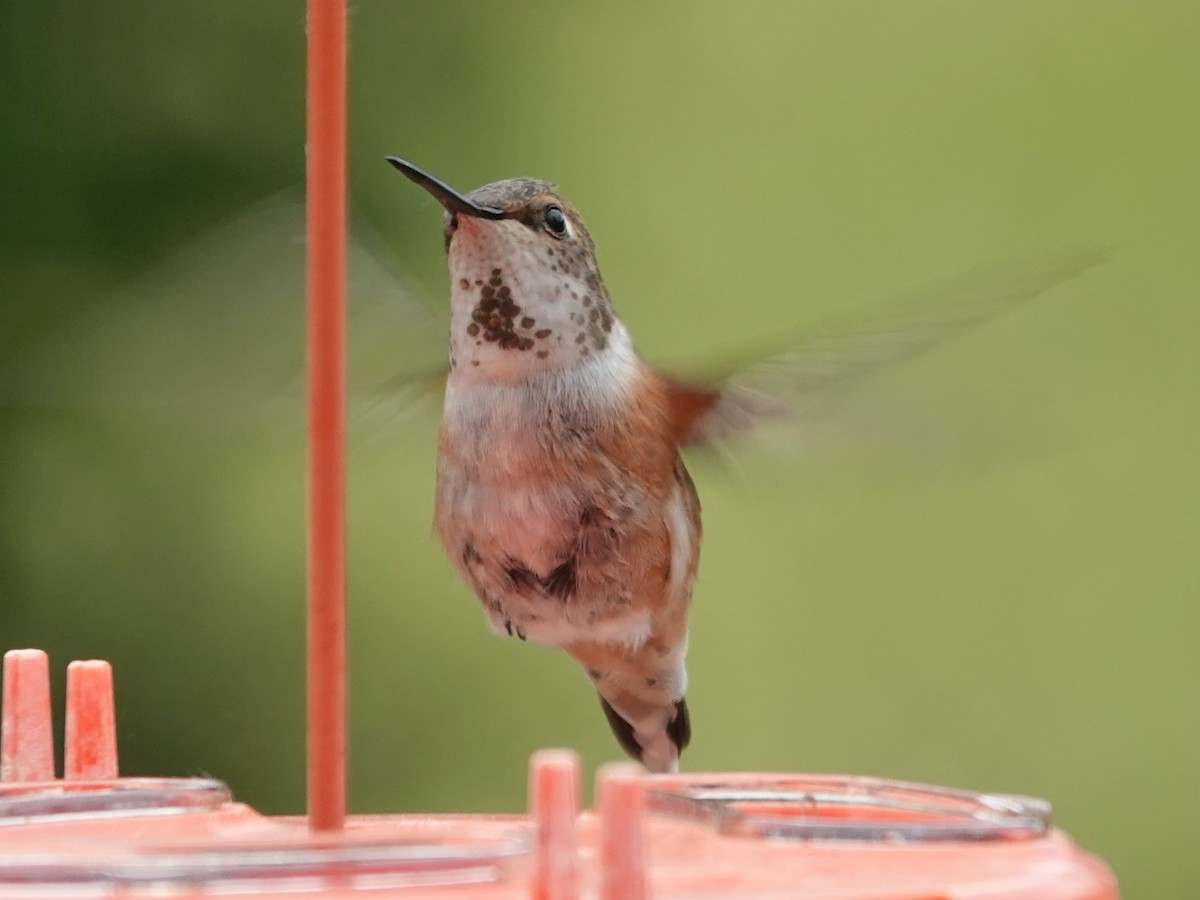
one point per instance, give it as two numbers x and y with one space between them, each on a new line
570 513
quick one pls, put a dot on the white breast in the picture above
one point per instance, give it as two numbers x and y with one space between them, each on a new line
496 491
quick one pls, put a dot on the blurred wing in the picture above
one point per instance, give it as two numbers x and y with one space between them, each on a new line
790 380
215 335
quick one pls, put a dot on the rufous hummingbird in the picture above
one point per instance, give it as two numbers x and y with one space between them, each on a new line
561 493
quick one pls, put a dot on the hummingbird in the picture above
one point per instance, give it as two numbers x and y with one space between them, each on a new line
562 496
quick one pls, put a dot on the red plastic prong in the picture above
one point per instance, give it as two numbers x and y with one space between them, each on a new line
91 732
26 732
325 201
621 799
553 807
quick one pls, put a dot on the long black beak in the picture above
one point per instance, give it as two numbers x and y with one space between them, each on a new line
446 195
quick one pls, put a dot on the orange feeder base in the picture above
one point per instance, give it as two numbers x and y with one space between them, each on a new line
741 835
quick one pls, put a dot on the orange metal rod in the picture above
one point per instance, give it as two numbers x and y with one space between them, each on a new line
326 210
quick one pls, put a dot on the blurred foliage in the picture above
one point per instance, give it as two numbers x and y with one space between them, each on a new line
977 571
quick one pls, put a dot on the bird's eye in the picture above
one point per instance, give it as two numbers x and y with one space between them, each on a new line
556 221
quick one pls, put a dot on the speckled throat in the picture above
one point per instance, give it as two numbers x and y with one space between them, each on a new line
525 294
522 302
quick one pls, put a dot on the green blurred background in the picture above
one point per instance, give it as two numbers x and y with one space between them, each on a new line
976 570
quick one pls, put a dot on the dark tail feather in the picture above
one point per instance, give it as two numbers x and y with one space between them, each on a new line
622 729
679 729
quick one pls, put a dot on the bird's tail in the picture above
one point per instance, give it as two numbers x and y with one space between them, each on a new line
641 691
656 737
